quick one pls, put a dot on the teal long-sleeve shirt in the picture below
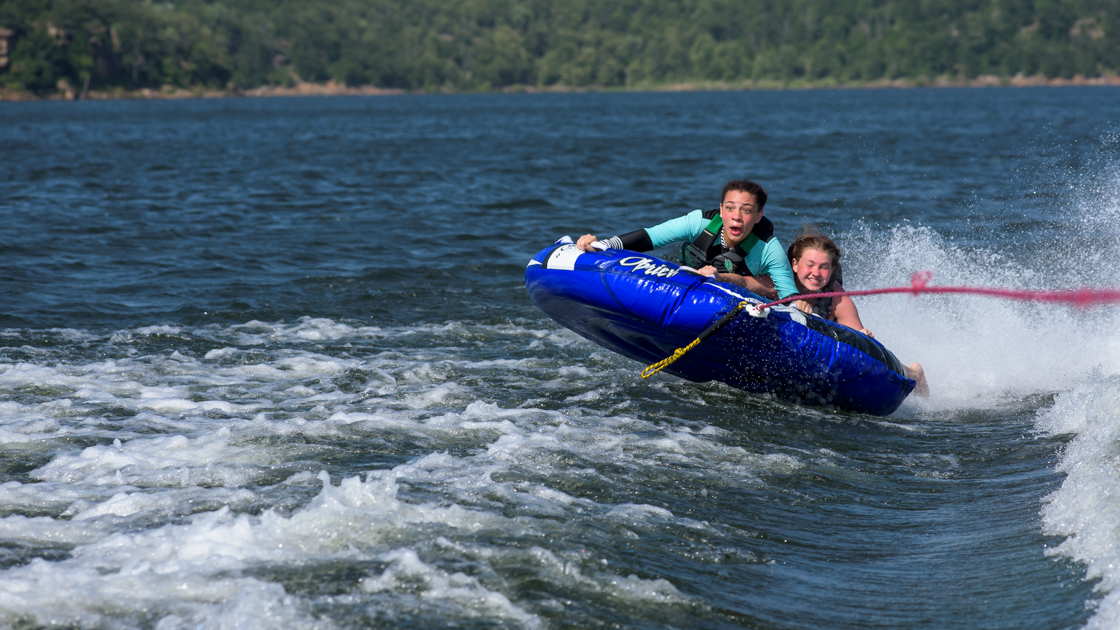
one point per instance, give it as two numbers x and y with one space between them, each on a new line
767 258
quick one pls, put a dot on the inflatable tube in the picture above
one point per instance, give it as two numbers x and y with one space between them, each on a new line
645 308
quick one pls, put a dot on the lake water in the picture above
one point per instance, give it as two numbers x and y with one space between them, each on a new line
271 364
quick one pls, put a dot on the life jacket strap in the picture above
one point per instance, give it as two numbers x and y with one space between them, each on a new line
695 254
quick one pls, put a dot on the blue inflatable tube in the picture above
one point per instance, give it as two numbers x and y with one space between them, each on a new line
644 308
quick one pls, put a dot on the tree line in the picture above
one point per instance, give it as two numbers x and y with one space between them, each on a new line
493 44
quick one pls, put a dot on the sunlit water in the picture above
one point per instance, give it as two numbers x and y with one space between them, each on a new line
270 363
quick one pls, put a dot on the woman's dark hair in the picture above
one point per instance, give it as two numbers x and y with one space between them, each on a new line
744 185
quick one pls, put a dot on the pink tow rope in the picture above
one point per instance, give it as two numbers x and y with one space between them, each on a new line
1082 298
918 284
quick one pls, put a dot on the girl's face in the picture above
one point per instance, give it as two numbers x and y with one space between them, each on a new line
813 270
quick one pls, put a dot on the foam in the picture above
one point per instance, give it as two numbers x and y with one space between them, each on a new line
1085 510
620 440
173 565
577 572
158 461
185 569
40 497
411 578
124 504
25 424
43 530
978 353
84 596
157 330
173 517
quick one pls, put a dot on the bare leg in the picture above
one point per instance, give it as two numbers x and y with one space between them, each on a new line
915 371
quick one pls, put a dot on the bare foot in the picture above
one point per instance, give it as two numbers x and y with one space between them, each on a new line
914 371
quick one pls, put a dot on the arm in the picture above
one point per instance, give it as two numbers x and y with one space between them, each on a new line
775 264
683 228
774 278
847 315
760 285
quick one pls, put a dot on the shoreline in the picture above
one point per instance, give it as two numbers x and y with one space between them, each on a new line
333 88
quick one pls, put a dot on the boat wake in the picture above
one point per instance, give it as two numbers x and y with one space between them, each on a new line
985 353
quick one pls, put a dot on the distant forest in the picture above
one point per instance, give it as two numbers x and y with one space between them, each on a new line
463 45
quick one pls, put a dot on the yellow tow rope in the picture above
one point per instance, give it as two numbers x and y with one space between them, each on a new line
680 352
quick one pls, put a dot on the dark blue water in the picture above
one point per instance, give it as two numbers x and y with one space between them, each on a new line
211 307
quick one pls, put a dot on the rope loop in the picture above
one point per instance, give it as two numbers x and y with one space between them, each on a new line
920 280
666 362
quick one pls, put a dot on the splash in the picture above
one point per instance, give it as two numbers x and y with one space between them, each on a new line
919 284
982 351
1084 511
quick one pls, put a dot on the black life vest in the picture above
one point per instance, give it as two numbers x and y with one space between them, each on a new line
708 248
822 307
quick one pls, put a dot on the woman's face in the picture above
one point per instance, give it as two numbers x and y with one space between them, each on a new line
740 213
813 270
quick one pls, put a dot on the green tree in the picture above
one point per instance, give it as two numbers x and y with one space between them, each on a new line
491 44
